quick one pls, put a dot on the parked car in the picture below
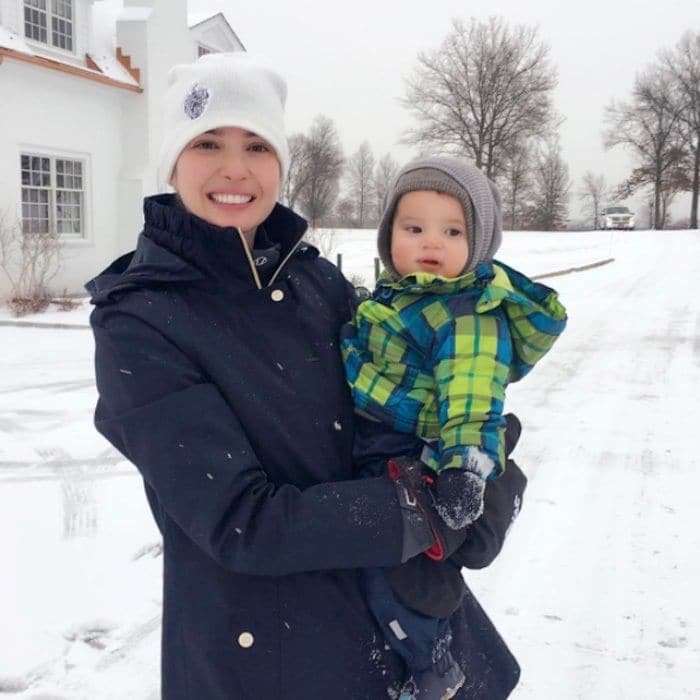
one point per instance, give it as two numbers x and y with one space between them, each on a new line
617 217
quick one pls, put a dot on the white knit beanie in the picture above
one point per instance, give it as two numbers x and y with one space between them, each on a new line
219 90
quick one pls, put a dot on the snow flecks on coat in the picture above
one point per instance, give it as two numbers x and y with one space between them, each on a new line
376 657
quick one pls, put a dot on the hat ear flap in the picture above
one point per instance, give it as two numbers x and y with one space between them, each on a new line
497 233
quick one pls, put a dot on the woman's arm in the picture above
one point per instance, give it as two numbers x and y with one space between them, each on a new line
159 411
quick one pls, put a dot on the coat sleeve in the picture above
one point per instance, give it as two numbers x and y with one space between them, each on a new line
470 380
162 414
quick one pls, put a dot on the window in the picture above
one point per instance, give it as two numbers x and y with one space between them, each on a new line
53 194
203 50
50 22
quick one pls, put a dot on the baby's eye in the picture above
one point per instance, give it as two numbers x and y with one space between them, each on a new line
454 232
413 229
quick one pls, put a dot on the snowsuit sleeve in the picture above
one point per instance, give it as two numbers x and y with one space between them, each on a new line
471 365
194 456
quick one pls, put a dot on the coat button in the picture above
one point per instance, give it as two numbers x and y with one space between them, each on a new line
245 640
277 295
337 425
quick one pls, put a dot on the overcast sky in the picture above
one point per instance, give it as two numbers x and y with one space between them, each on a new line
348 60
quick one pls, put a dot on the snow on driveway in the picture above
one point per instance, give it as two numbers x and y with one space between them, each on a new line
595 589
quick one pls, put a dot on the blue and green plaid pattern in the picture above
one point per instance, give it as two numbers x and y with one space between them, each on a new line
432 356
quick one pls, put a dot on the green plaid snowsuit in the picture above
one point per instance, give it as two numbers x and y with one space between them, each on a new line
432 356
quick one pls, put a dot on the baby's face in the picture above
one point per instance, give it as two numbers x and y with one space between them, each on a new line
429 234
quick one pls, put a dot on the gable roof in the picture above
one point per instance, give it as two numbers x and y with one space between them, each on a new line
214 31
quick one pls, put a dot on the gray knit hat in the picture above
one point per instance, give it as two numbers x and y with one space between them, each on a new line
459 178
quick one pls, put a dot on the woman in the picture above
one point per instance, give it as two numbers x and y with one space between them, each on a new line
219 377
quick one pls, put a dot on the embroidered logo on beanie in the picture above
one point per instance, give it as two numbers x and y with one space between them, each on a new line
196 101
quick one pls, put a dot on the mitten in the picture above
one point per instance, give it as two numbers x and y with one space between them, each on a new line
459 497
503 499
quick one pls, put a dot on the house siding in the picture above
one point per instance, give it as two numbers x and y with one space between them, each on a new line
10 15
46 123
115 132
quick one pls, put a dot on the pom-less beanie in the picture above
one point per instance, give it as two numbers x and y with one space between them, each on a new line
457 177
219 90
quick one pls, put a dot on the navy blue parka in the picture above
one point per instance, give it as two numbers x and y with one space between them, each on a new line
230 398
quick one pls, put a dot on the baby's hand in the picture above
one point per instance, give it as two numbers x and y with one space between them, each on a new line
459 497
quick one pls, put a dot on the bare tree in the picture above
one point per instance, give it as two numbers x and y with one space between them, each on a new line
344 212
673 180
683 66
324 163
384 173
487 87
30 261
322 238
549 209
360 171
649 126
593 191
515 184
298 172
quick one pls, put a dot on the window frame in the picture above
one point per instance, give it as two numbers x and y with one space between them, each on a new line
204 50
54 219
53 23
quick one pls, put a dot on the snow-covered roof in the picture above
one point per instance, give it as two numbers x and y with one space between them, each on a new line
109 68
10 40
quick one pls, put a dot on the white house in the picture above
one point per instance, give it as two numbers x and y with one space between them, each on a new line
82 83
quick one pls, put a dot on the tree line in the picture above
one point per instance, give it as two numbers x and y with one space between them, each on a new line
486 93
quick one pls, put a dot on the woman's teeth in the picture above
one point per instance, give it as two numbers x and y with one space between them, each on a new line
231 198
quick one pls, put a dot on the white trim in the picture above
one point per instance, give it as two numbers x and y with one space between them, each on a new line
87 236
48 46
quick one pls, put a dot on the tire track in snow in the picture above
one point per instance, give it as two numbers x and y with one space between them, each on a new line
606 527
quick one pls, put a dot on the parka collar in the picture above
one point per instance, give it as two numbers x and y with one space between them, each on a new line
176 246
428 283
214 249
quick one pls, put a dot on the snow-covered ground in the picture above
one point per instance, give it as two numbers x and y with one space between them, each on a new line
595 589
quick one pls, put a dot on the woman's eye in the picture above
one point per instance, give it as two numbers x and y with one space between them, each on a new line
205 145
259 148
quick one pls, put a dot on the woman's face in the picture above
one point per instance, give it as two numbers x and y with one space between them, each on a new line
229 177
